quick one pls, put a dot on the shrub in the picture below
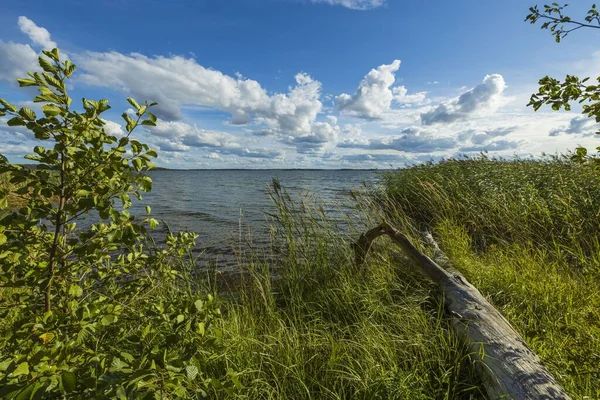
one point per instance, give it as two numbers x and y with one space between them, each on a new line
93 312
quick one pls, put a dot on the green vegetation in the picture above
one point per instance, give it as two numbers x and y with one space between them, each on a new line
106 312
98 312
525 233
560 95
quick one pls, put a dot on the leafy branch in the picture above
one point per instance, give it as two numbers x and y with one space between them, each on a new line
560 24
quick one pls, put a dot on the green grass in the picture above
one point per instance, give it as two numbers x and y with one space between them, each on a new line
524 232
306 323
316 327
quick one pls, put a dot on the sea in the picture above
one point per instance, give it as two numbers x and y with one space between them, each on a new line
223 205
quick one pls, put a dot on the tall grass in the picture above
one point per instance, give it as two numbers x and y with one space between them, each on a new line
313 326
305 323
309 324
526 234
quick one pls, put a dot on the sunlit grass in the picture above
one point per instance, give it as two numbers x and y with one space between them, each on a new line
306 323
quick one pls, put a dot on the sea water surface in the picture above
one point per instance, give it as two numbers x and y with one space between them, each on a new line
211 202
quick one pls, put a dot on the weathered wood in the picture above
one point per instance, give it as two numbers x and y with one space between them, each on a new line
508 367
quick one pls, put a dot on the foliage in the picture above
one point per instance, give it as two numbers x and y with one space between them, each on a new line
309 325
559 94
83 311
555 20
546 202
525 233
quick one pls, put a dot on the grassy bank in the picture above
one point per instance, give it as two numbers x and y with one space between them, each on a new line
305 323
524 232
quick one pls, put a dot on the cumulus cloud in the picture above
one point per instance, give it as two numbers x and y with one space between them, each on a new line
375 94
321 134
484 97
413 140
168 145
113 129
579 125
374 158
16 60
401 96
38 35
177 81
176 136
483 136
354 4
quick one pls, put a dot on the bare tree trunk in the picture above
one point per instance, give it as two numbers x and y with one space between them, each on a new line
508 367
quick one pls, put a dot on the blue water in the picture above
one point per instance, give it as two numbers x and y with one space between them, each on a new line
211 202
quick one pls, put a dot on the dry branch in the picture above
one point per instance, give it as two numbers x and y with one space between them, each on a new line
508 367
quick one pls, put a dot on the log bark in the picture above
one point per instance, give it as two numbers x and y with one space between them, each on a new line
508 367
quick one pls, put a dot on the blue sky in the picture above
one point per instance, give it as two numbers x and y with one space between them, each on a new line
308 83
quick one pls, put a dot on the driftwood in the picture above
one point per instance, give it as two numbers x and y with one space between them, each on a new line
508 367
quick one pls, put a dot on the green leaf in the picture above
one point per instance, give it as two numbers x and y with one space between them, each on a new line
133 103
27 113
75 290
15 121
46 65
68 381
22 369
28 392
51 110
191 371
7 105
153 223
148 209
121 393
108 319
26 82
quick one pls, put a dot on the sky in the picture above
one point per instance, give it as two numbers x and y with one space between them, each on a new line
307 83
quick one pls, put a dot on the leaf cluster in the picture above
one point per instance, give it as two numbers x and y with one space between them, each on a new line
84 311
559 24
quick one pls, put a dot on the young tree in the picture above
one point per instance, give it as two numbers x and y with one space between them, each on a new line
559 94
91 312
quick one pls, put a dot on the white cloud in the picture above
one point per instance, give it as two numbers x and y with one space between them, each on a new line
321 134
497 145
373 95
354 4
579 125
38 35
178 136
412 140
16 59
483 98
175 82
113 129
401 96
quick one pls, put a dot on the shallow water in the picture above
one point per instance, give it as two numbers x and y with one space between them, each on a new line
210 202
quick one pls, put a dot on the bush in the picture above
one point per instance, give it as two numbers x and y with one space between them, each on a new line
94 312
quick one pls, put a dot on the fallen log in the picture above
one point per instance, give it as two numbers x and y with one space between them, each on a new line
508 367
